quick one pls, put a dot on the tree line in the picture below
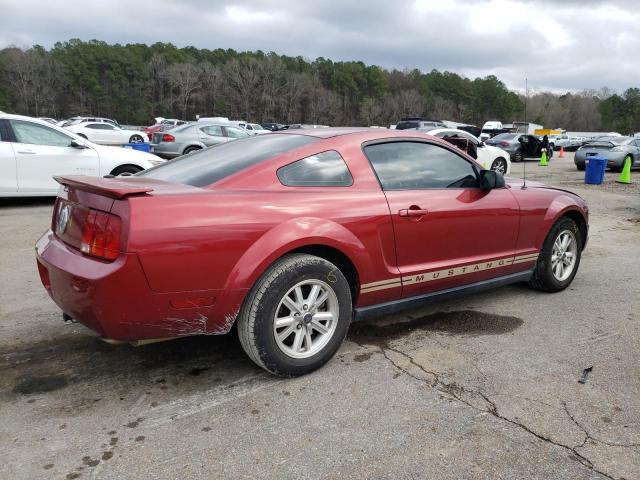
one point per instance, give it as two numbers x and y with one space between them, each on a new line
134 83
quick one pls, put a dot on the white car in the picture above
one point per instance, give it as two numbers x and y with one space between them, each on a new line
491 158
253 128
106 133
33 151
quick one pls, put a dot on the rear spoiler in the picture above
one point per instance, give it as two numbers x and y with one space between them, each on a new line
108 187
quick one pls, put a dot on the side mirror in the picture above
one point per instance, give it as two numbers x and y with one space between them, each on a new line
78 144
490 180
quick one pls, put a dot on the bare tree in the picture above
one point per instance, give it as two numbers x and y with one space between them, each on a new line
184 79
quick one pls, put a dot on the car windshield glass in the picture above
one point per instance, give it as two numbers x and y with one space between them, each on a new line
213 164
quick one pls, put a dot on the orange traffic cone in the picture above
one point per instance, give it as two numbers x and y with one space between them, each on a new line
561 152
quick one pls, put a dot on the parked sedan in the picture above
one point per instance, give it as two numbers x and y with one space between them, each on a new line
105 133
162 126
33 151
615 149
490 157
294 235
519 146
192 137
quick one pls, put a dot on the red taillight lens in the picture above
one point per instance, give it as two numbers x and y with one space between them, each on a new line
504 144
168 138
101 235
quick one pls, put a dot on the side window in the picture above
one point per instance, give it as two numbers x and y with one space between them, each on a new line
213 130
99 126
326 169
35 134
418 166
236 132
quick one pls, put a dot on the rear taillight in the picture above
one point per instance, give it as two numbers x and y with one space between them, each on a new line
504 144
168 138
101 235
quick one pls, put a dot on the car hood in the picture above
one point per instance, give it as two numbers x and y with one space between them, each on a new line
126 154
518 182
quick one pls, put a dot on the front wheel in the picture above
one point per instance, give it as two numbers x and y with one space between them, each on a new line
559 258
296 315
499 165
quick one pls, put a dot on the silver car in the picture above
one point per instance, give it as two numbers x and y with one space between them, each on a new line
194 136
615 149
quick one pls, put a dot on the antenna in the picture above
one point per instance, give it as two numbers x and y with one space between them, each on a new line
524 160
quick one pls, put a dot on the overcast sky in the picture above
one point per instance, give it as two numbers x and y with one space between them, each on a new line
558 45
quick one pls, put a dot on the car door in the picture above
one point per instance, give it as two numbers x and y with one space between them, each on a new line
111 134
636 151
448 231
8 169
42 152
211 135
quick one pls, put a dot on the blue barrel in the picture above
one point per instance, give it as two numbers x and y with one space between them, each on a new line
143 147
594 173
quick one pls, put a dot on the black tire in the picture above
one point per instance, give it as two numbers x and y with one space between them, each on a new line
499 165
82 135
129 169
519 156
543 278
189 150
136 139
580 167
257 316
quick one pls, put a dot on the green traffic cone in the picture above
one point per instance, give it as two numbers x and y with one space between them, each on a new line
543 159
625 175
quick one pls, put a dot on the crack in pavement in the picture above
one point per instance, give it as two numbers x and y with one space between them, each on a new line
588 436
455 391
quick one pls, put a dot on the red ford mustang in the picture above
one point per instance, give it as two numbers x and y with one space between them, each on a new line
294 235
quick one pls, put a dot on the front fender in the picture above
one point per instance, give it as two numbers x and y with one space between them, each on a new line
558 207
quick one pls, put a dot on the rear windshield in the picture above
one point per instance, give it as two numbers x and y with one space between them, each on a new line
616 140
215 163
505 136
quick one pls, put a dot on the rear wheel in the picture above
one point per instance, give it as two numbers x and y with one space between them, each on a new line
559 258
519 156
136 139
296 315
499 165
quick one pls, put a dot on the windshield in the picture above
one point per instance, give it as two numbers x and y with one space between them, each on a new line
215 163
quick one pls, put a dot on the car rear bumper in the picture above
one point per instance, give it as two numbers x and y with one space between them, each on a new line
163 151
114 298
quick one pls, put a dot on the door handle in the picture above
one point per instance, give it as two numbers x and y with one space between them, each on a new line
27 152
413 211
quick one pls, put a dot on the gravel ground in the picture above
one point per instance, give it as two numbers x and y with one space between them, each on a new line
481 387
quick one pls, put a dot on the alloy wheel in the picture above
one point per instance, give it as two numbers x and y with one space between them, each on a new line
306 319
563 255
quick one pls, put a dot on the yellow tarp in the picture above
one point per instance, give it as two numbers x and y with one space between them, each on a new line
546 131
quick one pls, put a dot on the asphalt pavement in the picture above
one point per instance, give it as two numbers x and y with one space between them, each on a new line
482 387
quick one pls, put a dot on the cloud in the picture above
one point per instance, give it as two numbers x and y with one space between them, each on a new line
569 45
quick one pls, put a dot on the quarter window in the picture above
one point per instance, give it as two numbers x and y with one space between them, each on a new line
326 169
417 166
35 134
